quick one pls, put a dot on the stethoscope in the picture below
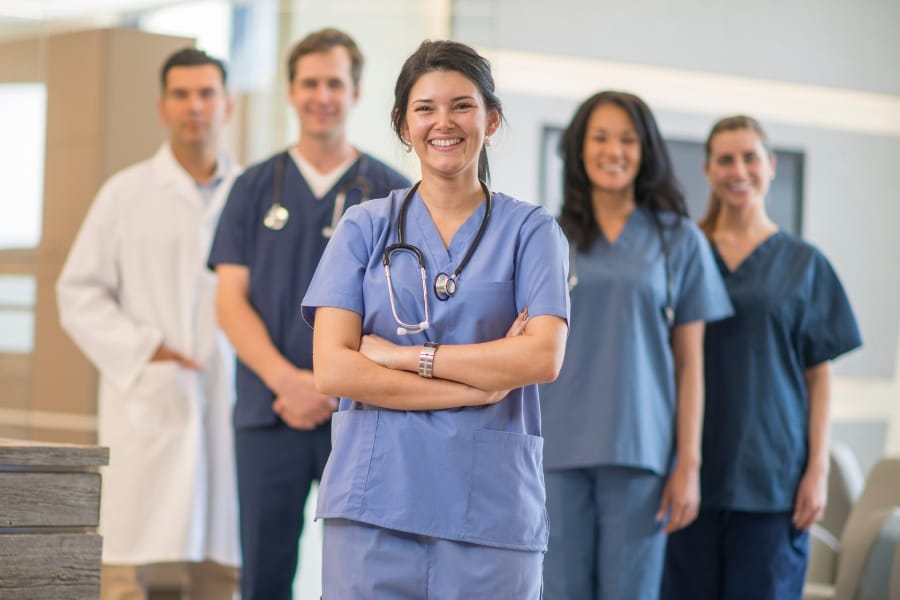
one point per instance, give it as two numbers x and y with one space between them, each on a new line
668 309
445 285
277 216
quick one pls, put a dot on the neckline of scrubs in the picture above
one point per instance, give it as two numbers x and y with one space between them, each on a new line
752 257
623 239
337 184
459 243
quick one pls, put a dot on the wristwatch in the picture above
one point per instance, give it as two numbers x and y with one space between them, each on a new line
426 359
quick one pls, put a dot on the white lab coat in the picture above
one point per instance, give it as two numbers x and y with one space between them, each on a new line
136 277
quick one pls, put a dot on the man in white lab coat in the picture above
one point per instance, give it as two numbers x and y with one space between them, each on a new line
136 297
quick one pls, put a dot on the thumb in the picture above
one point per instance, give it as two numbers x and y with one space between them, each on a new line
663 505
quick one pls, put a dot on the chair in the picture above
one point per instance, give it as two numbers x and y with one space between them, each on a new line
873 512
845 484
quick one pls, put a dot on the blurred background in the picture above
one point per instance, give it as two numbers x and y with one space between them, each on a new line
79 84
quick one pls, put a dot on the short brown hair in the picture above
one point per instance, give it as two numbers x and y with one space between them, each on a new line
323 41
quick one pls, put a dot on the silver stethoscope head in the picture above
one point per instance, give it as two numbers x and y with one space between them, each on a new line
276 217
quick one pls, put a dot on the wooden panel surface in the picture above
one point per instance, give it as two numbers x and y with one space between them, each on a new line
49 499
29 453
64 566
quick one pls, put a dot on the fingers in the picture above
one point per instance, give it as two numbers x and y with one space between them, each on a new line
518 325
681 515
807 513
663 505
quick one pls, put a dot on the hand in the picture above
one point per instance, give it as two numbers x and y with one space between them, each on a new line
518 325
812 496
299 404
680 499
379 350
163 354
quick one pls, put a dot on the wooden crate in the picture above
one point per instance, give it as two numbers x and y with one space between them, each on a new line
49 509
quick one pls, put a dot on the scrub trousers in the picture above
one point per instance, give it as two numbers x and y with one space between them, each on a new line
605 541
365 562
735 555
276 467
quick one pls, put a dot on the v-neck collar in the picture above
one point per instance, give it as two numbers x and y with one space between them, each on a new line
623 239
459 243
748 260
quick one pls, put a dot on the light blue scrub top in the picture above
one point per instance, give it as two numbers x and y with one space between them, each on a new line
614 401
791 313
468 474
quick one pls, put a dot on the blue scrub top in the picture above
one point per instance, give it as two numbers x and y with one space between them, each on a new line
468 474
614 401
791 313
282 262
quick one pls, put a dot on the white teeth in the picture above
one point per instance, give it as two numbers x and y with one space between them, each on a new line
613 168
444 143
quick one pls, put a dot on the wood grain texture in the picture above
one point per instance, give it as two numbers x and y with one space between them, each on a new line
49 499
22 453
62 566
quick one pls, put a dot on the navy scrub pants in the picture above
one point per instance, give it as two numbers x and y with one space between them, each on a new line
734 555
276 467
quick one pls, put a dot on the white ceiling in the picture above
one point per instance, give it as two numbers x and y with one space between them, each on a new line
56 10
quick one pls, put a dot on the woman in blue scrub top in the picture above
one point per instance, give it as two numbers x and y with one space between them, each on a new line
768 382
434 486
622 421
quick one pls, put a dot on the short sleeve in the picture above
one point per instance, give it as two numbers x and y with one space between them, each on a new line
338 280
829 328
701 294
542 264
234 233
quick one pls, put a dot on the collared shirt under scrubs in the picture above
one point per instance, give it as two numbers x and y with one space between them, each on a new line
282 262
791 313
614 400
468 474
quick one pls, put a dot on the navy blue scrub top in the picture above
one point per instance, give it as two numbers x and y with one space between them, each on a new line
791 313
614 401
470 474
282 262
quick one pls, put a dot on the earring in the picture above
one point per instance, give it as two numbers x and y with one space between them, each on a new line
407 146
487 140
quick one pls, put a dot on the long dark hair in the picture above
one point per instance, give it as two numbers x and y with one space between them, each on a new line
445 55
735 123
655 187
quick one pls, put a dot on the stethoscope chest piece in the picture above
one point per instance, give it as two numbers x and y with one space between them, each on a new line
444 286
276 217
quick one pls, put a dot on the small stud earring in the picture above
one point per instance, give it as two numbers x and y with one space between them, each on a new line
407 147
487 140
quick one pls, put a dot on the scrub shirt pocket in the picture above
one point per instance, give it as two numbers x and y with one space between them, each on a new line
506 490
158 399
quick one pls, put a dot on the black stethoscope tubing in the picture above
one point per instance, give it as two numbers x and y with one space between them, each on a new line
444 285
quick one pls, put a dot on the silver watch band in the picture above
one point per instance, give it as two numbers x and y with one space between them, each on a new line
426 359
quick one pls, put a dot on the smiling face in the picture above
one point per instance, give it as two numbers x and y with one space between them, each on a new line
446 121
739 168
323 93
194 105
611 150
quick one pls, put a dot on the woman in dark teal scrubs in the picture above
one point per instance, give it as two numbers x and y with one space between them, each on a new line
768 380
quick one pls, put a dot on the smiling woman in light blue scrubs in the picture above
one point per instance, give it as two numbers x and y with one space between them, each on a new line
628 403
768 387
436 311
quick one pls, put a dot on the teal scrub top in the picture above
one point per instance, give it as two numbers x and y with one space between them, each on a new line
614 400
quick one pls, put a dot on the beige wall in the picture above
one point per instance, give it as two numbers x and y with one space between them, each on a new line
102 88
